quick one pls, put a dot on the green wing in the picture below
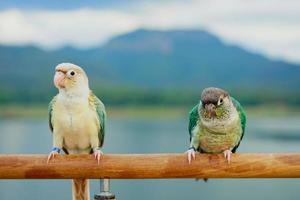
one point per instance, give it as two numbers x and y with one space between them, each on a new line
242 116
194 117
100 109
50 113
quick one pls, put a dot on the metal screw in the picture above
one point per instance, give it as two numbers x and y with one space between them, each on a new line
104 191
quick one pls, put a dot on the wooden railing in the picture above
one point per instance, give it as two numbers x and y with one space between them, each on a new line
146 166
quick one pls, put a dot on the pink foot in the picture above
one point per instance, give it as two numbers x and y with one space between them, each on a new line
227 155
191 154
52 155
97 155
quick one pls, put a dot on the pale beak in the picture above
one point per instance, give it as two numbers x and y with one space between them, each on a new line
59 79
211 110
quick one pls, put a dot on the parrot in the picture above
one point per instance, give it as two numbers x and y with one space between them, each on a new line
216 124
76 119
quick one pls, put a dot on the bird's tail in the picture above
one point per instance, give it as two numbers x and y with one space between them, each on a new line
204 179
80 189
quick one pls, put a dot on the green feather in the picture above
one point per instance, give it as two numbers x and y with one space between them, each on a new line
50 110
100 109
193 119
243 119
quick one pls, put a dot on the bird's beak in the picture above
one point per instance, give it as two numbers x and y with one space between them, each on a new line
59 79
211 109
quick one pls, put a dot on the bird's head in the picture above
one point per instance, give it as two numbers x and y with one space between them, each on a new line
71 78
216 104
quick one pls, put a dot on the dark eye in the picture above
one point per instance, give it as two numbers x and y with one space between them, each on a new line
220 101
72 73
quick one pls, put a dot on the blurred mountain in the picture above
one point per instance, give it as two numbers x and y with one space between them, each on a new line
147 59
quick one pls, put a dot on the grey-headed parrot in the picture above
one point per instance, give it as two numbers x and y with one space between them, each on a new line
216 125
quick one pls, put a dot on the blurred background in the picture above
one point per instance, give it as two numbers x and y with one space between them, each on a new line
148 61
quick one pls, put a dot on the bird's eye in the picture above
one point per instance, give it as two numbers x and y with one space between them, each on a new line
220 101
71 73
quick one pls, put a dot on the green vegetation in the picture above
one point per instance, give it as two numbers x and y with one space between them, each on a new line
126 96
131 111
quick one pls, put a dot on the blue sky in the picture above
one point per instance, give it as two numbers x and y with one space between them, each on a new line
271 27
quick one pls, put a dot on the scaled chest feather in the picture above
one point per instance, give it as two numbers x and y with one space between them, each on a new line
217 141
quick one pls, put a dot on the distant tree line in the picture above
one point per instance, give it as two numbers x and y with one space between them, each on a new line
121 96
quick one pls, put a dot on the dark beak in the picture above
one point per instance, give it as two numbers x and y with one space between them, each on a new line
211 109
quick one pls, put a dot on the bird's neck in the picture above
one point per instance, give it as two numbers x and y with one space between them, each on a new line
73 93
74 97
218 125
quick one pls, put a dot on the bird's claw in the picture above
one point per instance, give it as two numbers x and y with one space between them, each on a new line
227 155
191 154
51 155
97 154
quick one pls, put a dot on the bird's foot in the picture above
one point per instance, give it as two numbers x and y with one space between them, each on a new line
191 153
55 151
97 154
227 155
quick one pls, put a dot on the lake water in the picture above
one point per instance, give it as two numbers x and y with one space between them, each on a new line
147 135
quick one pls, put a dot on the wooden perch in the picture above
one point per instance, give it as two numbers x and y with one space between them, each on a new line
145 166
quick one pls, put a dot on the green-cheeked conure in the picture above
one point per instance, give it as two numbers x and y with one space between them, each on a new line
76 118
216 124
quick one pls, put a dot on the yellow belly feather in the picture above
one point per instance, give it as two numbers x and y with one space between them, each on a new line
78 125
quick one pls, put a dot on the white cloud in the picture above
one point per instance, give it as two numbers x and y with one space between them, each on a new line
270 27
81 28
